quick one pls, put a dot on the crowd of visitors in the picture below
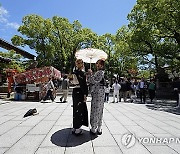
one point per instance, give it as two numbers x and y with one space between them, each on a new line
130 90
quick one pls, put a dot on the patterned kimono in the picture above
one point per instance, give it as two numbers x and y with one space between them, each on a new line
97 102
80 113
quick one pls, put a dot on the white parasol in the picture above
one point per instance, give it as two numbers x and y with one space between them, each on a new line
90 55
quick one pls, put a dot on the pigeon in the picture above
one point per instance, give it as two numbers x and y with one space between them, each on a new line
31 112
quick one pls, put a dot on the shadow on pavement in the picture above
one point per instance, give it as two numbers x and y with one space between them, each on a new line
4 103
164 106
64 138
53 102
61 102
44 102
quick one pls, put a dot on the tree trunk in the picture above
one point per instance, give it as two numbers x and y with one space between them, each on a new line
73 60
156 63
177 37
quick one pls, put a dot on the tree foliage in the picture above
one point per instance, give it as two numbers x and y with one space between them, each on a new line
152 38
16 61
155 29
55 40
126 60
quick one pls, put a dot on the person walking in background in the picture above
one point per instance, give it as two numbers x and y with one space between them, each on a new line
65 88
50 90
142 86
79 96
98 93
56 85
116 87
107 91
129 89
55 82
151 90
135 89
122 90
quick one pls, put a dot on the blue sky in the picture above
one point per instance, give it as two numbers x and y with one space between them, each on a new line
102 16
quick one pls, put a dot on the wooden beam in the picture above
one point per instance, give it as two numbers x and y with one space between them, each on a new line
6 45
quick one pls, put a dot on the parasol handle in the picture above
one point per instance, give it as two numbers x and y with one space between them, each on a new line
90 62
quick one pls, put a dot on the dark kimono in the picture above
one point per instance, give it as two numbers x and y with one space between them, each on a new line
80 113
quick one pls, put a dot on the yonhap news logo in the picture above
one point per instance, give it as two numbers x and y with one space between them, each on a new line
129 140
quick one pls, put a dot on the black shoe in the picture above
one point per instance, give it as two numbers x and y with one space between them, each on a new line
64 101
99 133
8 95
92 133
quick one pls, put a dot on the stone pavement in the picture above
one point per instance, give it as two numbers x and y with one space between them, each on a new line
128 128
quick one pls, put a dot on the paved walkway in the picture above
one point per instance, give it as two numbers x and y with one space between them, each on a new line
128 128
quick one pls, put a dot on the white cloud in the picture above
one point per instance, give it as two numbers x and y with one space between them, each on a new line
13 25
4 19
3 11
3 15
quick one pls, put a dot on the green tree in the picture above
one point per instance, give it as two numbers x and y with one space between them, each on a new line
106 43
162 16
17 61
125 58
155 28
55 41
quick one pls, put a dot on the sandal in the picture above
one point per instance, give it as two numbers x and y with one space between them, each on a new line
91 132
73 131
99 133
80 133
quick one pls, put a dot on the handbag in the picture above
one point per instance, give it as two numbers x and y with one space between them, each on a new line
74 80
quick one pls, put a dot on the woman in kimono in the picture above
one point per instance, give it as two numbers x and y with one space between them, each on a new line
79 95
97 82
